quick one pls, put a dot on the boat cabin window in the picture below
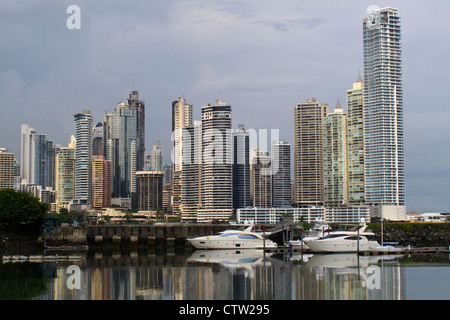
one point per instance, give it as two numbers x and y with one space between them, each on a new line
227 235
331 236
247 236
353 238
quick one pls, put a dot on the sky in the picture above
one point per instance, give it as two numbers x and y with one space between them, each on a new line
260 56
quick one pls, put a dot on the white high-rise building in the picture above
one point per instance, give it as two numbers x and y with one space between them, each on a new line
157 157
181 119
383 110
217 159
83 156
335 168
37 158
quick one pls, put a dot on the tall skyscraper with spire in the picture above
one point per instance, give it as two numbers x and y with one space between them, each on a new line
135 103
121 141
335 177
383 109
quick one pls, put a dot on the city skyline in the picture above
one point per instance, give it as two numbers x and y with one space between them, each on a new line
248 71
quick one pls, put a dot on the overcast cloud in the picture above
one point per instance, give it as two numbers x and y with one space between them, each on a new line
262 57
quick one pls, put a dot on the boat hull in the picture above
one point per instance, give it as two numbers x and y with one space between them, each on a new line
341 245
215 243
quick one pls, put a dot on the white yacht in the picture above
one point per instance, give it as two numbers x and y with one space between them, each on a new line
319 230
344 241
233 239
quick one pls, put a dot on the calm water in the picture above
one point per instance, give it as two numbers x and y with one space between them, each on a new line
227 275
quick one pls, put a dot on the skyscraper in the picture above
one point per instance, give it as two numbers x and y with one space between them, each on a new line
383 109
355 142
181 118
335 177
37 158
121 141
97 140
149 190
101 182
65 174
134 103
281 177
191 183
261 173
308 151
157 157
241 168
6 169
83 156
217 184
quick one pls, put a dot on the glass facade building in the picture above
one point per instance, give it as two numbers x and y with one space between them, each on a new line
121 141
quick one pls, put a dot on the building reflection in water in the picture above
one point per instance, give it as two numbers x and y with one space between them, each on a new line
231 275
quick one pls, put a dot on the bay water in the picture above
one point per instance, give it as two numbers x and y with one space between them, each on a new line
232 275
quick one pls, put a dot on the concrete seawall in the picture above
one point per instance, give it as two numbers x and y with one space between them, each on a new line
420 235
160 234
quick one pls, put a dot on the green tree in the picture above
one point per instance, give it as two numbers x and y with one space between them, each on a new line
18 207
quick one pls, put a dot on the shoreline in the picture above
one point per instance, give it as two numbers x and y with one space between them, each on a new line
11 243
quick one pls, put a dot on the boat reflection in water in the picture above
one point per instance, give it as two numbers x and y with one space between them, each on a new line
246 259
237 274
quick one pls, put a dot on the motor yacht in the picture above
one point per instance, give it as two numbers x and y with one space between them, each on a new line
233 239
344 241
319 230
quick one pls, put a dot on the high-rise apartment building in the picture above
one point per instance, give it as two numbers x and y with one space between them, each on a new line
149 190
65 174
121 147
355 142
261 173
134 103
83 157
217 157
97 140
281 174
157 157
101 182
168 173
335 177
383 109
7 163
308 151
37 158
241 168
191 188
181 118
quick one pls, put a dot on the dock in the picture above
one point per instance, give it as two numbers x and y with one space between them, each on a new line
40 258
396 251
